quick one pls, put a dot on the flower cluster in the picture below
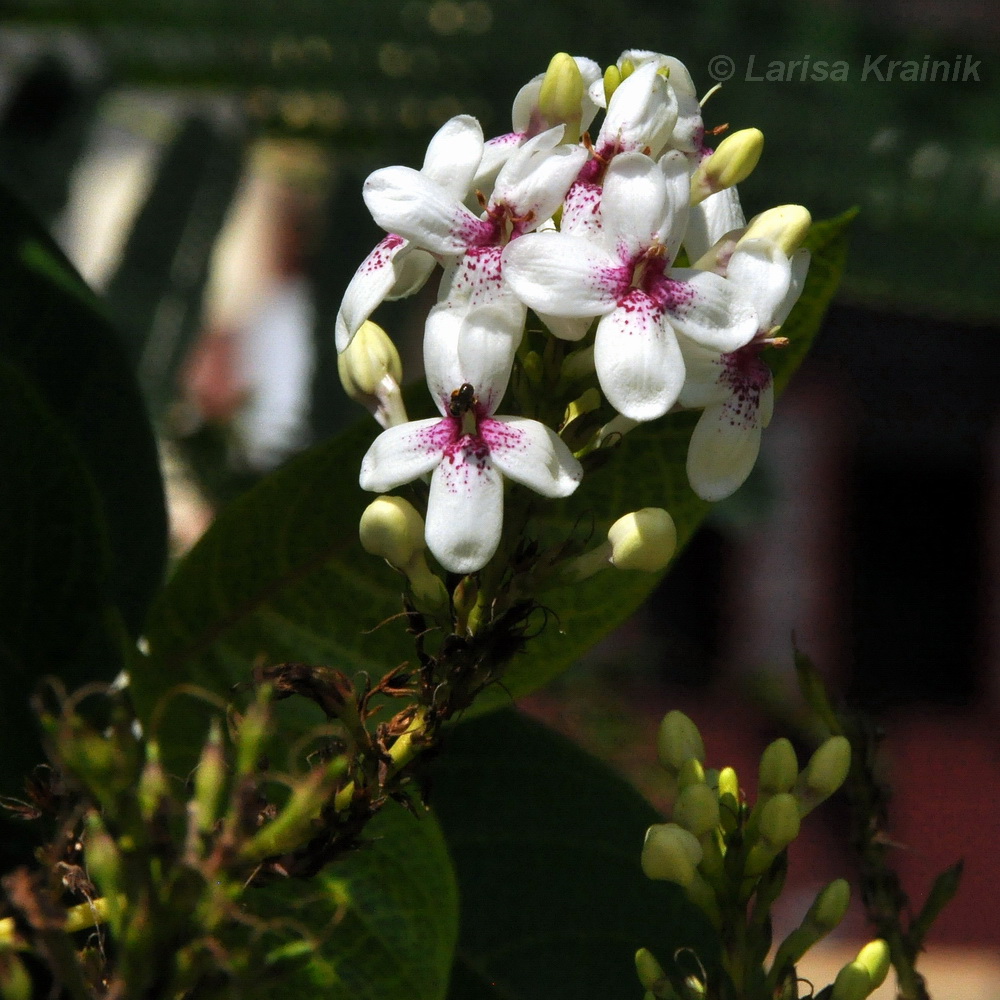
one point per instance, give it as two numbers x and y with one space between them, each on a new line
632 251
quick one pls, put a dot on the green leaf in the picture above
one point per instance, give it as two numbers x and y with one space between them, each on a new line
55 615
546 843
281 575
386 917
54 332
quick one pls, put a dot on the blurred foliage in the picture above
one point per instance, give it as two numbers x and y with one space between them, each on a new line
922 160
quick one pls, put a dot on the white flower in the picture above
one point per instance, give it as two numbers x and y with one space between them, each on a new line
468 449
736 389
624 276
396 268
641 116
528 190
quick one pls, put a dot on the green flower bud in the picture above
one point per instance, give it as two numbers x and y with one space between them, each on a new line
824 774
371 372
391 528
670 854
650 972
860 978
732 162
612 80
785 225
15 981
729 799
696 809
644 540
678 740
210 781
829 907
691 773
877 960
779 822
779 768
105 865
153 788
561 96
254 728
368 359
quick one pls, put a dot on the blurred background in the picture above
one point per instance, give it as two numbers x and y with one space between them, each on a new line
201 163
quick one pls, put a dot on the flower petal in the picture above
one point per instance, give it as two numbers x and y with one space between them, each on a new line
708 309
402 200
442 370
634 205
487 343
454 153
535 179
638 360
370 286
405 452
566 327
722 452
763 274
582 210
563 275
465 508
710 220
800 267
642 113
532 454
703 381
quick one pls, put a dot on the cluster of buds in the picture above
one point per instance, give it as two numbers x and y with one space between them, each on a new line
650 293
730 860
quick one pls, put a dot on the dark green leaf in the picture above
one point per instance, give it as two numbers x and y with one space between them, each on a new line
55 614
56 335
546 843
386 917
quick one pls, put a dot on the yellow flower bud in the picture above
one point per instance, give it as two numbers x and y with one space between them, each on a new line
644 540
824 774
779 822
732 162
650 972
371 373
785 225
612 80
779 768
829 907
678 740
561 96
696 809
670 854
391 528
860 978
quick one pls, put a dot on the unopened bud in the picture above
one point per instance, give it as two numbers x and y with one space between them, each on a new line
824 915
860 978
779 822
824 774
210 780
104 865
391 528
371 373
678 740
671 854
732 162
786 226
15 980
729 799
254 729
152 789
644 540
561 96
696 809
829 907
779 768
650 972
691 773
777 827
612 79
